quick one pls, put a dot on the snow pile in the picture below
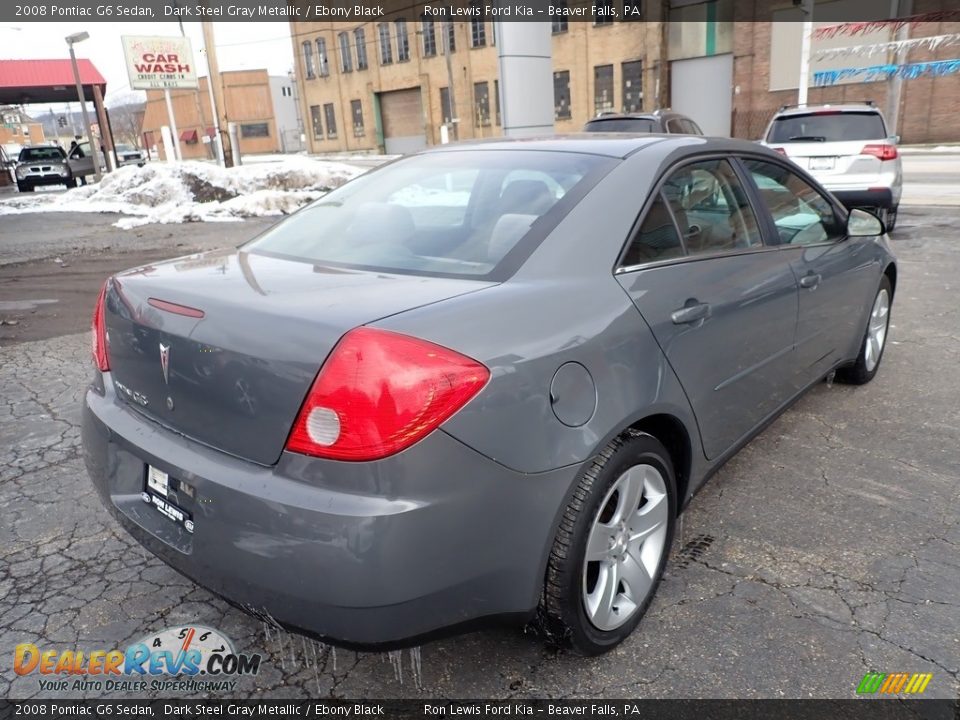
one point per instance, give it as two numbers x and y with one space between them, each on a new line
194 191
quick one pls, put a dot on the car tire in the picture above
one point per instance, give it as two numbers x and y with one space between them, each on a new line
865 367
891 218
594 604
24 187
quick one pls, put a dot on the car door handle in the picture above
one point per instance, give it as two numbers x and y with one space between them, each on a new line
810 281
691 313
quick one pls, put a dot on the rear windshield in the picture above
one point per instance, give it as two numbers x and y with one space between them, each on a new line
47 153
827 127
627 125
466 213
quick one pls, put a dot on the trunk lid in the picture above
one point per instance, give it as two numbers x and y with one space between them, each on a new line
834 159
222 347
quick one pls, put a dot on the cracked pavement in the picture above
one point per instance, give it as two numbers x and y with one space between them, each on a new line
827 548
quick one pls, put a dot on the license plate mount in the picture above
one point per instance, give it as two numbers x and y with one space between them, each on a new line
823 163
156 495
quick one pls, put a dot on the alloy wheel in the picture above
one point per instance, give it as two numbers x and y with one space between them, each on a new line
625 546
877 330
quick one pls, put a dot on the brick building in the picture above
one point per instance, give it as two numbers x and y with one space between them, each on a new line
253 99
17 128
384 84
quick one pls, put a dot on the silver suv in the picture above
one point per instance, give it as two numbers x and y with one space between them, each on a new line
848 149
42 165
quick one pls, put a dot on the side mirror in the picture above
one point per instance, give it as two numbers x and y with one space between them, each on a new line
863 224
895 139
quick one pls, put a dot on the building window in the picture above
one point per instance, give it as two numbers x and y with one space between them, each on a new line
602 12
496 100
560 22
323 66
254 130
331 120
632 86
478 29
317 121
561 95
429 38
386 48
448 26
308 60
481 103
403 41
346 59
356 110
632 10
602 88
445 110
360 38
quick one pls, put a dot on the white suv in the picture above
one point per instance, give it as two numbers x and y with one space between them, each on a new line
847 148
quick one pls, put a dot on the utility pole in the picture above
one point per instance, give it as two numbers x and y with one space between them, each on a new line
805 42
94 145
895 83
217 107
445 28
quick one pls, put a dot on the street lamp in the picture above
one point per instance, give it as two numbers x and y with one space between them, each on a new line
94 146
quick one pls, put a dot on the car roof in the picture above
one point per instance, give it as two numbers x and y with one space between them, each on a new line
839 107
615 145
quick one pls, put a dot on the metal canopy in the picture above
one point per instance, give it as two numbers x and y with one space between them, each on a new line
23 82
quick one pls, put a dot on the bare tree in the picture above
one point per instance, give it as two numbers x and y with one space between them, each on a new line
127 122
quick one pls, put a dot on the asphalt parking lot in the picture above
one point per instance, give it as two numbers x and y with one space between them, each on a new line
826 549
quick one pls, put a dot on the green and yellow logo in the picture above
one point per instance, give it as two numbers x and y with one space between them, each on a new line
894 683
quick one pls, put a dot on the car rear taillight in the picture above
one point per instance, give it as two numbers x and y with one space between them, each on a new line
883 152
99 334
379 392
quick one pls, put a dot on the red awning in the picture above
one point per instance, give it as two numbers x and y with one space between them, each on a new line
211 132
188 135
31 81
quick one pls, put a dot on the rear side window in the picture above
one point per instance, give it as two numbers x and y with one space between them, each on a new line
827 126
711 208
452 214
657 239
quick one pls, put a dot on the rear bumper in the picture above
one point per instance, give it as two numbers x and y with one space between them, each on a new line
875 198
376 554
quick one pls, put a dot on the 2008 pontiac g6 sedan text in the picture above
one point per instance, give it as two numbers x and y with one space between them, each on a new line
480 382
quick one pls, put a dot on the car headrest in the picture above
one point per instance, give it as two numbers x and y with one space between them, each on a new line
529 197
507 233
376 222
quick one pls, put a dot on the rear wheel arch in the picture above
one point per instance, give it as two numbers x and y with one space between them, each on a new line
891 272
673 435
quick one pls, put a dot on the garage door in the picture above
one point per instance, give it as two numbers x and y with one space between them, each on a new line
402 113
702 88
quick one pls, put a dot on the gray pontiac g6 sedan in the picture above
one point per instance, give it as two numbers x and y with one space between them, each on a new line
478 383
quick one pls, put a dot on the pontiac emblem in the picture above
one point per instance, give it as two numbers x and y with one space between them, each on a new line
165 362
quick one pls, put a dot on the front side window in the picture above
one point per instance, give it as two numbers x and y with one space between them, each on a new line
711 208
456 213
657 238
360 39
802 215
346 59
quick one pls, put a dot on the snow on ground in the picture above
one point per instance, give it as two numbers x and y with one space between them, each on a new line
194 191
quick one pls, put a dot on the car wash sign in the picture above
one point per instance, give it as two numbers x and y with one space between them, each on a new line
159 63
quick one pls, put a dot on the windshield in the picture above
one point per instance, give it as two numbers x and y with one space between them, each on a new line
628 125
829 126
43 153
453 214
